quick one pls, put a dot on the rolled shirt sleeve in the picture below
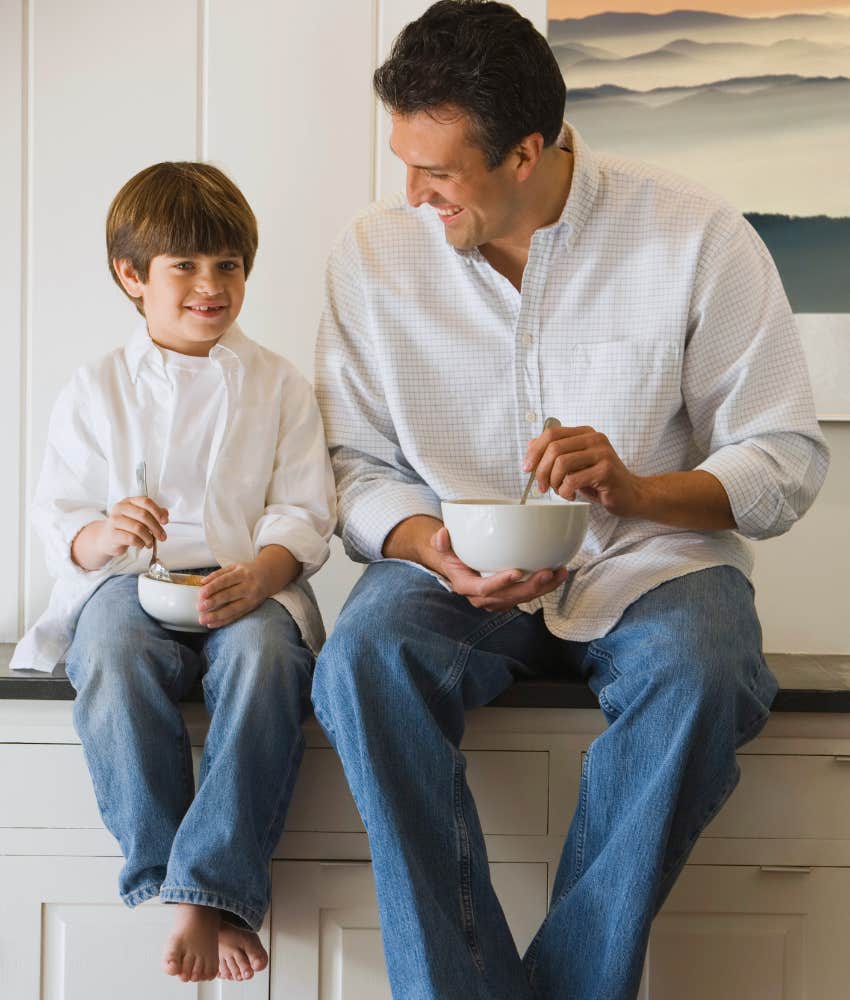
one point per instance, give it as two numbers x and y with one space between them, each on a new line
300 512
73 485
746 386
376 487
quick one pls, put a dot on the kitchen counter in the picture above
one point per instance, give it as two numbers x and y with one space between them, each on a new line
808 683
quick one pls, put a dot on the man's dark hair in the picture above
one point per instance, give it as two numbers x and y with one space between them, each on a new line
484 59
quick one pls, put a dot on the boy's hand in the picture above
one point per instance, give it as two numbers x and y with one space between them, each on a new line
234 591
134 521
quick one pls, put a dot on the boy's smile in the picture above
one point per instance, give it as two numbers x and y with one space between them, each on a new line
189 302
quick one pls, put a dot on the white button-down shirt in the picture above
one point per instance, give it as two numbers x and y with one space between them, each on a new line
268 478
650 311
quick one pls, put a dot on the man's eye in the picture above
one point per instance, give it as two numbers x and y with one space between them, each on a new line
438 177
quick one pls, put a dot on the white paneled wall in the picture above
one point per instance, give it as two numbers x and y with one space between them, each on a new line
279 95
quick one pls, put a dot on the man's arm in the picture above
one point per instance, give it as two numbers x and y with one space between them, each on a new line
580 460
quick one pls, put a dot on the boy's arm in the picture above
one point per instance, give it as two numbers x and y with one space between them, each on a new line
291 538
300 513
73 485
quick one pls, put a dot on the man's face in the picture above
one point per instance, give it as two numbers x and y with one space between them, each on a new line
189 302
448 172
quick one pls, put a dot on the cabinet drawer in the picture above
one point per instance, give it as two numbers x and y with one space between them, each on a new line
49 786
510 789
784 796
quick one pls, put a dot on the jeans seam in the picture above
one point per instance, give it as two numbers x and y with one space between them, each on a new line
466 644
466 901
285 792
581 824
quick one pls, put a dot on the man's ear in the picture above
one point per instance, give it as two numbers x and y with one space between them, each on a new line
129 277
528 152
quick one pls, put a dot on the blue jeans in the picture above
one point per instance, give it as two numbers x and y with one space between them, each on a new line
682 682
213 847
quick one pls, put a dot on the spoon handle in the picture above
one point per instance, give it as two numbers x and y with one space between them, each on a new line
547 423
142 486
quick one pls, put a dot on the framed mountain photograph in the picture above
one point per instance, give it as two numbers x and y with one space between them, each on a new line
750 98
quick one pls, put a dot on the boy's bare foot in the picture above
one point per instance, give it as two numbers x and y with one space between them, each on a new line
191 952
240 953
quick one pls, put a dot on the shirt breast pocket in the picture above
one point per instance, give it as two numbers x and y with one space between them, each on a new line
628 390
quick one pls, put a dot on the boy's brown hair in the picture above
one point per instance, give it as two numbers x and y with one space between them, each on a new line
179 209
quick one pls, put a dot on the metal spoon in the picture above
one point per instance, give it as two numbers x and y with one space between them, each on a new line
155 568
547 423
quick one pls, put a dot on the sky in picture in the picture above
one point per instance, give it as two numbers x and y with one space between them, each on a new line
750 99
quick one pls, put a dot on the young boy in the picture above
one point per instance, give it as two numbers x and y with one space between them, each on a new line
238 478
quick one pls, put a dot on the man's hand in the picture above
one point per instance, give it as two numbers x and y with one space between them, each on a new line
499 592
581 461
234 591
573 460
426 541
134 521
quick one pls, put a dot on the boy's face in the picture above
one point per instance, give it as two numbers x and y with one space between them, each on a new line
189 302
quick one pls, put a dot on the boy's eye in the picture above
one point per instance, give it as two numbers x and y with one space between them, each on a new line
184 265
228 265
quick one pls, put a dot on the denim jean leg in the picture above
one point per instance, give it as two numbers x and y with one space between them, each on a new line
404 661
682 682
129 674
257 690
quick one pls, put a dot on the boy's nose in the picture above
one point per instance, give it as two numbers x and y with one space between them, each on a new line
208 282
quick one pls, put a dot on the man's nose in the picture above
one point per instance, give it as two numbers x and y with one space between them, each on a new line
418 190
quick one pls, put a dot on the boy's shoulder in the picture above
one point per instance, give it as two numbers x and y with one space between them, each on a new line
263 361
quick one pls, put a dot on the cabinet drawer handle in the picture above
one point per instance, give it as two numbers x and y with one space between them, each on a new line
787 869
842 758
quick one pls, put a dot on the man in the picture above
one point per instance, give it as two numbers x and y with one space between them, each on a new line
529 276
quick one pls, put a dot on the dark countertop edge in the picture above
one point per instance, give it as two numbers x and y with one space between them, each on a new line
546 692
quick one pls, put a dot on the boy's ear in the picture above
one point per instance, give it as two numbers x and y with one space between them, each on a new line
128 277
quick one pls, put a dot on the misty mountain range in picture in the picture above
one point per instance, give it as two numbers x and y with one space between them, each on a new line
755 108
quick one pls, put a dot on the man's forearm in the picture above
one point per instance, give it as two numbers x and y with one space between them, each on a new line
411 539
693 500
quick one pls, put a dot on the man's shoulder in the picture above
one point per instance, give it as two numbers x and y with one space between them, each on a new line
385 226
626 178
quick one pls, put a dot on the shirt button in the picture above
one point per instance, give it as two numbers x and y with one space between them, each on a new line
526 340
530 416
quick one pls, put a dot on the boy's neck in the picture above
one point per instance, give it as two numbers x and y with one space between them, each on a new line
194 350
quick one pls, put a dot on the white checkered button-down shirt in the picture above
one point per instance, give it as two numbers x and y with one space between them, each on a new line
650 311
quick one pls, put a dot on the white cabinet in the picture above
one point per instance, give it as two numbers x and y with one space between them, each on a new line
752 933
326 938
65 935
760 913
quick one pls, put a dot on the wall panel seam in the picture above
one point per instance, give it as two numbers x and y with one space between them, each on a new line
25 333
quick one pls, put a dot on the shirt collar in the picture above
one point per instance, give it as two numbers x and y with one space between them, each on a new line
233 349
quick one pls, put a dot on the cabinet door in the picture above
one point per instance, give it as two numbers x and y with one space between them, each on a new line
752 934
326 939
65 935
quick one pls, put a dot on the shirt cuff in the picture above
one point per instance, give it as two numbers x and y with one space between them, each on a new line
366 525
64 530
304 542
758 506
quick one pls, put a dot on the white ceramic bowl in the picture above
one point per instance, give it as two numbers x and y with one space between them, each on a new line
173 605
493 535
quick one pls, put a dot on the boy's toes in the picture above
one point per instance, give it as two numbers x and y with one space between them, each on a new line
223 971
257 955
235 974
171 964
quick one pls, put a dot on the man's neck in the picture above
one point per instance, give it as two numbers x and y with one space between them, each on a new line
509 254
